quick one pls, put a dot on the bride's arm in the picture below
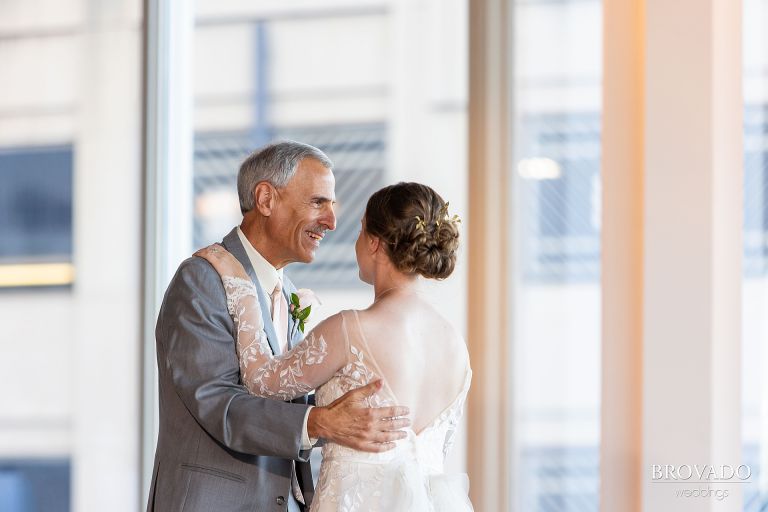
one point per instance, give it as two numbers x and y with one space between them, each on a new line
308 365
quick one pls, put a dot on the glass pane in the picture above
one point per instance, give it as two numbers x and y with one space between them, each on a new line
36 216
256 95
755 284
379 86
34 485
36 204
556 215
358 152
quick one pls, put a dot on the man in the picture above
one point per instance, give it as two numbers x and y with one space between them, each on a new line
220 448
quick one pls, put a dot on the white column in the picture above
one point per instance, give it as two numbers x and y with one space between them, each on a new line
692 243
622 256
168 193
489 406
672 223
107 226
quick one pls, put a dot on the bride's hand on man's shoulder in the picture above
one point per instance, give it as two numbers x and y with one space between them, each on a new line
222 260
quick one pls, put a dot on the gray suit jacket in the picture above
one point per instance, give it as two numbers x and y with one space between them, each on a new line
219 448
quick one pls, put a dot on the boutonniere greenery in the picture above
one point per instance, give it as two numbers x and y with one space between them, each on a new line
298 313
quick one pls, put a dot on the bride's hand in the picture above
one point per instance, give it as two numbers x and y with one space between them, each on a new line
222 260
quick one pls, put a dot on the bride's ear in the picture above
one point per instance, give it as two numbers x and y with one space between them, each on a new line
374 243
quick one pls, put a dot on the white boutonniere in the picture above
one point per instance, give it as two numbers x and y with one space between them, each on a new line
300 308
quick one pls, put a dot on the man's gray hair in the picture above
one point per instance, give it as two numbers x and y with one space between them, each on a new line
275 164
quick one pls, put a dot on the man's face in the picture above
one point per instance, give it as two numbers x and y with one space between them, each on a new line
303 212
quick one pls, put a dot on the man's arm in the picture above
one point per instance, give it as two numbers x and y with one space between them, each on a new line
194 329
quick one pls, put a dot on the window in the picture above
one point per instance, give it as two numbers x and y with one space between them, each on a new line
36 216
556 249
755 266
349 78
358 154
34 486
336 102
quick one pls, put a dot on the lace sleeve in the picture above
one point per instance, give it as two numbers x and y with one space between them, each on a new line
309 364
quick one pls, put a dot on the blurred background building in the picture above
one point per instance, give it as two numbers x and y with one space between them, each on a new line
94 220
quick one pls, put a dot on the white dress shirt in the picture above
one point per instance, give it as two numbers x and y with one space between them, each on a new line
268 277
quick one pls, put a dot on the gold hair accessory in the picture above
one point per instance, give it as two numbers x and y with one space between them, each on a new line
421 225
443 215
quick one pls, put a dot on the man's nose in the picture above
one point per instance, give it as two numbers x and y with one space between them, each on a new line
329 219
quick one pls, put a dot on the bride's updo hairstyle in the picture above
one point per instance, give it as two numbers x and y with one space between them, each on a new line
413 222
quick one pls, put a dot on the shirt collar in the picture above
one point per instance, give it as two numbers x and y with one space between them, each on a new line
267 274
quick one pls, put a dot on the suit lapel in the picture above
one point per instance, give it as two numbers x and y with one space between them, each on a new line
232 244
301 467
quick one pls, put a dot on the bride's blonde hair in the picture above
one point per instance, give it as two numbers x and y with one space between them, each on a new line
413 222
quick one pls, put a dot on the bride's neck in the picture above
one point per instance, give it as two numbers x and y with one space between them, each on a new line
391 282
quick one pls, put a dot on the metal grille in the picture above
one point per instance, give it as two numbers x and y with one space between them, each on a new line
559 217
755 191
358 154
754 500
755 258
560 479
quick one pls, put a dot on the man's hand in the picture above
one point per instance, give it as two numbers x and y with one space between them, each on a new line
349 422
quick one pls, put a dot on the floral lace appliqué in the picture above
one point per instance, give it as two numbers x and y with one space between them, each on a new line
288 376
263 374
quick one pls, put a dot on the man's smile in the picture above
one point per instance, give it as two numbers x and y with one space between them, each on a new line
315 237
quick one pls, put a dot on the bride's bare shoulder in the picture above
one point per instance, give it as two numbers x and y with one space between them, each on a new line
341 320
406 315
328 325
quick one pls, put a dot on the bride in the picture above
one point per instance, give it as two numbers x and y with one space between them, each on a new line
401 339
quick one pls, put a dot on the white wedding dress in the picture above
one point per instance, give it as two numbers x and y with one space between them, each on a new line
335 358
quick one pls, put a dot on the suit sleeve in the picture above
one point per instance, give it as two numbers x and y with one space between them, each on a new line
194 331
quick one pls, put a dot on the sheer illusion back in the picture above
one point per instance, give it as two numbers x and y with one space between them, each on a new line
364 366
410 477
419 357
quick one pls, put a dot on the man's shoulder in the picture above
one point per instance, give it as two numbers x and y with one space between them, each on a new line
194 265
196 284
195 272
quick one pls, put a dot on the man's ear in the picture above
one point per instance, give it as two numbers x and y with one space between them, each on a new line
264 198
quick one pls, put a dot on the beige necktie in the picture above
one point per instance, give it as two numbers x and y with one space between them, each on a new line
280 321
280 316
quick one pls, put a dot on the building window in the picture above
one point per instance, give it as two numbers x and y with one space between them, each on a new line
561 197
754 288
556 294
36 216
34 486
